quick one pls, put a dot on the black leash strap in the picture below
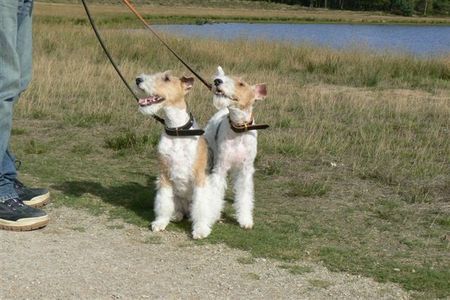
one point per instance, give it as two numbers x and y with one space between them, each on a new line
111 60
100 40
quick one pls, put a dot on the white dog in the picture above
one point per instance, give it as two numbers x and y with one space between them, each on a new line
233 141
183 186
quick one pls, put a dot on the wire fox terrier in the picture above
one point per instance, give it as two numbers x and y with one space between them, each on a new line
183 187
233 143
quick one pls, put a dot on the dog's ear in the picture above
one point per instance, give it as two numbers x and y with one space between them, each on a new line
187 82
166 75
260 91
220 71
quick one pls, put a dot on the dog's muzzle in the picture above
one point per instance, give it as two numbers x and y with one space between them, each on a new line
218 92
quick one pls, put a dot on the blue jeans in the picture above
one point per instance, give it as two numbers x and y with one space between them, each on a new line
15 75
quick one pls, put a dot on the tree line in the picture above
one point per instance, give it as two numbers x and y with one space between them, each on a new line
402 7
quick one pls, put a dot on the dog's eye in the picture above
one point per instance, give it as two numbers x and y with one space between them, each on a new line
241 84
166 78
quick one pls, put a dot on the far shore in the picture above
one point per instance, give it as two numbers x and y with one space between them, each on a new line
111 14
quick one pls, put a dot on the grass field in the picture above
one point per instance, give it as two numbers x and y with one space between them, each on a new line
354 171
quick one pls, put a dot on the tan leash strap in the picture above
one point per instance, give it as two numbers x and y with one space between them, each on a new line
139 16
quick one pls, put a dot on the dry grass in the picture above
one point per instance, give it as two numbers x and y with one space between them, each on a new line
354 171
386 116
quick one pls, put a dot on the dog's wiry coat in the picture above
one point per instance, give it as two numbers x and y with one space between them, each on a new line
182 187
234 152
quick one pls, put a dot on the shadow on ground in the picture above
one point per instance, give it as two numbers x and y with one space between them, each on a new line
132 196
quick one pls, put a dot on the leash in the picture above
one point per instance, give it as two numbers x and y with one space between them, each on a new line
172 131
100 40
139 16
111 60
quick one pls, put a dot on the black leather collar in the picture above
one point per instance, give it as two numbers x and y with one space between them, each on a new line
183 130
240 128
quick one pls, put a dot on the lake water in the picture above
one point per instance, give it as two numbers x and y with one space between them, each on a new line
417 40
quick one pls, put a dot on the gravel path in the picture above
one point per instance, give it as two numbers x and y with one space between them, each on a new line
79 256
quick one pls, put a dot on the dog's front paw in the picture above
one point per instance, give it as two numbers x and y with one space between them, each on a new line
159 225
246 223
201 231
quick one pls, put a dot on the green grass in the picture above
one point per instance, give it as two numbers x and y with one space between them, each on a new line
353 172
306 189
129 140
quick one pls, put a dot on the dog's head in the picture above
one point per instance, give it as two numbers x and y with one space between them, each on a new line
161 90
234 93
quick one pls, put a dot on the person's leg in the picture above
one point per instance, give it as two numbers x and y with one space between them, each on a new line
9 84
24 46
35 197
9 166
14 214
9 58
7 190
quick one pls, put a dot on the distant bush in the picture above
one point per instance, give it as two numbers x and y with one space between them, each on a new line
403 7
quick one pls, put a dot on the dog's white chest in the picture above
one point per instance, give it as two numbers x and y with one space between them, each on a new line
238 150
180 155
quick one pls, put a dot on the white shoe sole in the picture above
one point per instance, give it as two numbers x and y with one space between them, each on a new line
38 201
24 224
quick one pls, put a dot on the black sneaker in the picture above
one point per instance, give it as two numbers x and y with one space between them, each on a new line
33 197
14 215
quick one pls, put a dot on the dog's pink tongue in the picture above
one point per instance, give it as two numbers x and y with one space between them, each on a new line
143 101
146 101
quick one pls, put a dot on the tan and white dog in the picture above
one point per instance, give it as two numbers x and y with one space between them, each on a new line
182 187
234 146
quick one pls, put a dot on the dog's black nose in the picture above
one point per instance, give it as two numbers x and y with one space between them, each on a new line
139 80
217 82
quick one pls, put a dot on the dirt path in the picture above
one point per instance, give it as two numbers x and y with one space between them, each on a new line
79 256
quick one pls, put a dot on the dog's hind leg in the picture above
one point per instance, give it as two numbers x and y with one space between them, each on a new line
164 206
201 215
201 212
244 196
